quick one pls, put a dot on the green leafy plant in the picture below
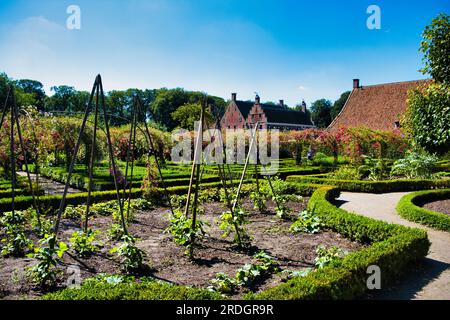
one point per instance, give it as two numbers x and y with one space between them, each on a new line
259 200
223 283
183 230
306 222
290 274
345 173
326 256
85 243
415 165
251 273
132 257
15 242
116 231
44 272
234 222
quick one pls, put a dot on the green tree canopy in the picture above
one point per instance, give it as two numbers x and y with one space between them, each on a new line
436 48
339 104
321 113
187 114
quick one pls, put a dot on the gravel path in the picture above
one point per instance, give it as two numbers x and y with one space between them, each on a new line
51 187
429 279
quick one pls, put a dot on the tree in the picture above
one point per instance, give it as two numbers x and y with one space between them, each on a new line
34 88
187 114
61 99
339 104
428 117
436 49
321 113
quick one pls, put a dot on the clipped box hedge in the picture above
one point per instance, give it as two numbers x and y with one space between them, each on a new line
396 185
409 207
391 247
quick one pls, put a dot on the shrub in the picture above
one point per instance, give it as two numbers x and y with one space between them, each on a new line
415 165
345 173
131 289
326 256
409 208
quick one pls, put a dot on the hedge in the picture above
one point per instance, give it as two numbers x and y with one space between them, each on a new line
146 290
409 207
392 248
384 186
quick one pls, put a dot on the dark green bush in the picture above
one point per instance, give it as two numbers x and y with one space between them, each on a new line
375 186
409 207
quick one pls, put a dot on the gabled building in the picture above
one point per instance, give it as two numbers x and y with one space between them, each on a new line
378 107
245 114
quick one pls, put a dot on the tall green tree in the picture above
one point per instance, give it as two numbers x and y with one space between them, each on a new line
321 113
428 115
339 104
187 114
61 99
435 47
34 88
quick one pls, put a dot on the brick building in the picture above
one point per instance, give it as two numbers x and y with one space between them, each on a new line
245 114
377 107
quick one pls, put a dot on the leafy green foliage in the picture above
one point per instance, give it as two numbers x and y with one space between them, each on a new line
44 272
409 208
132 257
223 283
251 273
85 243
15 242
326 256
234 222
345 173
259 200
116 231
306 222
436 48
183 230
428 117
128 288
415 165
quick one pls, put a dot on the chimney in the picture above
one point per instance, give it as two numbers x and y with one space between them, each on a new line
233 96
282 103
257 99
356 84
303 106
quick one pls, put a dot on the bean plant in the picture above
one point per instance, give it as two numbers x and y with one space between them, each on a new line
234 222
45 271
183 231
15 243
306 222
85 243
132 258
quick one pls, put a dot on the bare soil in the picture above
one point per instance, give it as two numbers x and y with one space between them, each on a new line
166 260
439 206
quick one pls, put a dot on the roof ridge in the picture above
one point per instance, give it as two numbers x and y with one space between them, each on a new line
396 82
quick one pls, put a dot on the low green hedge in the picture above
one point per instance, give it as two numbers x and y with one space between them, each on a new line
146 290
396 185
409 207
392 248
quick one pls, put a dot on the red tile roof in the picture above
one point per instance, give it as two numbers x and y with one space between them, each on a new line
376 107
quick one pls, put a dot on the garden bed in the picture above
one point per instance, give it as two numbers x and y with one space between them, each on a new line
442 206
166 260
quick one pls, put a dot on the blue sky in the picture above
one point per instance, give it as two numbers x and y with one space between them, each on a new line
283 49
